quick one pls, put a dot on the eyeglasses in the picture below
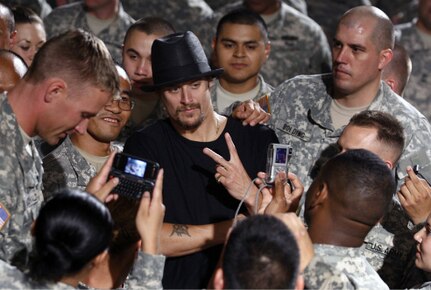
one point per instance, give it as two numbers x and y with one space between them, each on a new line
124 103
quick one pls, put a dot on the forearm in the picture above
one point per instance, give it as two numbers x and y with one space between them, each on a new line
179 239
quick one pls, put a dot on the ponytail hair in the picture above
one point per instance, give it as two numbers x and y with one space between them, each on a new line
72 228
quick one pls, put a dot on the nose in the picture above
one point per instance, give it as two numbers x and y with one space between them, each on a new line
113 106
186 96
419 235
239 51
340 55
144 68
81 127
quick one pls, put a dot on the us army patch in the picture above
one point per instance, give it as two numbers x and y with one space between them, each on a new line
4 216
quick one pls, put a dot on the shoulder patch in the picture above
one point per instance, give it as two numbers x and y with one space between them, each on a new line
4 216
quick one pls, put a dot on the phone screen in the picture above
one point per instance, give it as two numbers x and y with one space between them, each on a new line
135 167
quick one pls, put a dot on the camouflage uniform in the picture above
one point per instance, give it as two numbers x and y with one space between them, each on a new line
388 248
73 16
417 91
301 116
340 268
265 89
65 167
327 13
146 274
20 186
298 45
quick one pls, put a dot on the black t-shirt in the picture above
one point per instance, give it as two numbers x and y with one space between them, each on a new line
190 192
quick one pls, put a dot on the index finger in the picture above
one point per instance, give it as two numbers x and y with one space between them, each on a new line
231 146
158 187
215 156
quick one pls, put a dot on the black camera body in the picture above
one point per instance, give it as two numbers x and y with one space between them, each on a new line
136 175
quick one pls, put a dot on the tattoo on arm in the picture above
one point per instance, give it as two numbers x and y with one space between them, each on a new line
180 230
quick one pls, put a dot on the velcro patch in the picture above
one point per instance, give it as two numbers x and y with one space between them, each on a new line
4 216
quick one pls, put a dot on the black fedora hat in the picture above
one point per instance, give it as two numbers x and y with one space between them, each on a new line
178 58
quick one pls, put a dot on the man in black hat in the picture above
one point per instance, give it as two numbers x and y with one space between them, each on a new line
199 207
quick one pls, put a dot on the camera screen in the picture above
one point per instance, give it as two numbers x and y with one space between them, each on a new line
135 167
280 155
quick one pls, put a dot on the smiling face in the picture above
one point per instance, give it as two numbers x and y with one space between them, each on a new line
423 248
108 123
241 51
29 38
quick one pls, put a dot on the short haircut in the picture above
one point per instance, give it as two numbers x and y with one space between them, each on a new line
390 132
79 58
7 16
244 16
23 15
151 25
400 67
261 253
383 35
360 185
72 228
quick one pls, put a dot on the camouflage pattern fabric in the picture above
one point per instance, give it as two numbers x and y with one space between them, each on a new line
147 272
388 247
301 116
65 167
298 45
12 278
335 267
417 91
265 89
20 187
72 16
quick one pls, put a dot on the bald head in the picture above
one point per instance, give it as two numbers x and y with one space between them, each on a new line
397 73
383 30
12 69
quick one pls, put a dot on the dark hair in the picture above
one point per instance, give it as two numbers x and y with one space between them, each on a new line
24 15
72 228
261 253
390 132
244 16
360 183
79 58
7 16
151 25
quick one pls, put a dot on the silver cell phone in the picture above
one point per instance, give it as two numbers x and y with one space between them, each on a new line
278 156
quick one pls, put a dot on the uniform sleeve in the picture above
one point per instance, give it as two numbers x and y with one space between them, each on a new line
318 275
147 272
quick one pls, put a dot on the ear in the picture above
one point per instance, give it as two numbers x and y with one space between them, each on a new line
391 83
99 259
12 39
320 195
267 49
385 58
218 279
56 88
389 164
